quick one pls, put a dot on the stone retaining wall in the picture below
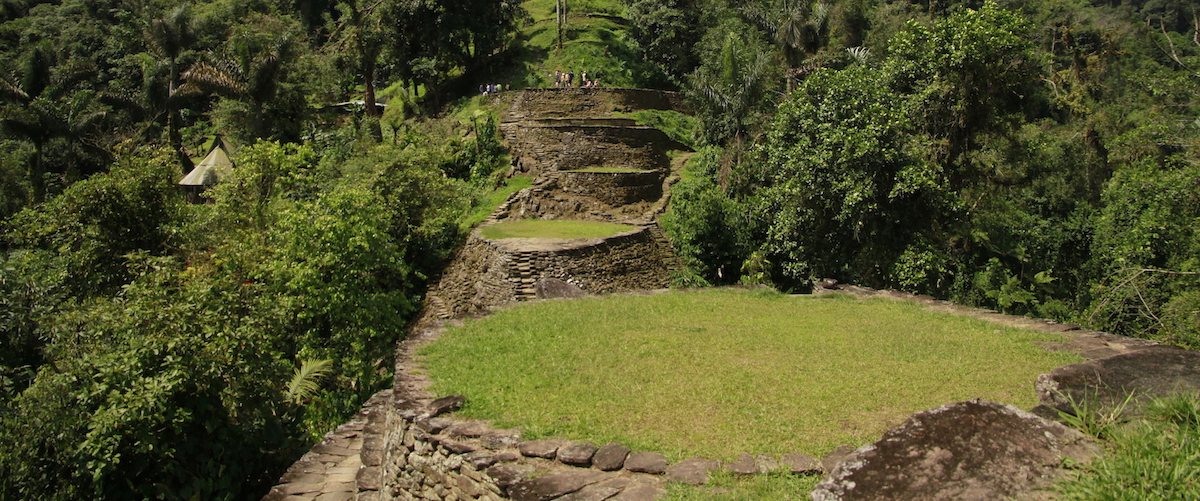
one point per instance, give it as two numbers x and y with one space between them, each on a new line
583 102
487 273
546 148
615 188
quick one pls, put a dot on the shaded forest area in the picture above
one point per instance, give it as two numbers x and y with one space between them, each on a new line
1036 157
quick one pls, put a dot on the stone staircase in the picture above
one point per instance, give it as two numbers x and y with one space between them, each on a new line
589 164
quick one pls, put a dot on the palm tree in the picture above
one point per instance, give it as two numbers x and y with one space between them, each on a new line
170 36
799 27
727 100
253 76
39 111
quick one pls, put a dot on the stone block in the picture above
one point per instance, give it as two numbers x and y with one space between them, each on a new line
576 453
646 462
801 464
693 471
554 485
972 450
546 449
610 457
369 479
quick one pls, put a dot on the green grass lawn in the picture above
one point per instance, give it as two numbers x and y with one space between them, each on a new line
554 228
489 203
720 372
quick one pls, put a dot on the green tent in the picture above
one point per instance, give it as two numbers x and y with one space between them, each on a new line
210 170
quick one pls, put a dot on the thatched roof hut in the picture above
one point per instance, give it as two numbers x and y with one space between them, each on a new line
208 172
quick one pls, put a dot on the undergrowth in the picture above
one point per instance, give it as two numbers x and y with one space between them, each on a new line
1154 457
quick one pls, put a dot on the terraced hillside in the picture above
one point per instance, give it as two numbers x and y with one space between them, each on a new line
589 165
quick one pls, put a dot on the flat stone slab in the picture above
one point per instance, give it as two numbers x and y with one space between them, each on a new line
610 457
1147 373
508 474
594 492
693 471
972 450
646 462
545 449
831 460
576 453
743 465
800 464
443 405
640 493
555 485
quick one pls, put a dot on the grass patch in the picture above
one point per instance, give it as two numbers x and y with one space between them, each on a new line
488 203
720 372
725 486
674 124
1156 457
555 228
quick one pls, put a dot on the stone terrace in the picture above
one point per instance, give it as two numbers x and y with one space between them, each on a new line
589 164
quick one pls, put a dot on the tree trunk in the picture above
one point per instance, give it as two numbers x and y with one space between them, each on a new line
185 162
369 86
173 119
37 177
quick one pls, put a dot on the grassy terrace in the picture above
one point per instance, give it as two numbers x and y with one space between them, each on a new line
555 228
719 372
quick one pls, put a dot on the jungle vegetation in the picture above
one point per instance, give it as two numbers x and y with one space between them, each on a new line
1036 157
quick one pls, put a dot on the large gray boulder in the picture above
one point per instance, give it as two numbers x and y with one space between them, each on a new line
972 450
1104 383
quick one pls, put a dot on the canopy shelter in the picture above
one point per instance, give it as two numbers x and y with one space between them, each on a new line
208 172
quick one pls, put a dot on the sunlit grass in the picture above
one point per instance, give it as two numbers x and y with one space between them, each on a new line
596 45
720 372
555 228
725 486
493 200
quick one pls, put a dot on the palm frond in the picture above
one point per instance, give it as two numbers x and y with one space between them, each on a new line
210 78
860 55
305 381
10 91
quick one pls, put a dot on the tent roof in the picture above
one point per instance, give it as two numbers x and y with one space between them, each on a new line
210 170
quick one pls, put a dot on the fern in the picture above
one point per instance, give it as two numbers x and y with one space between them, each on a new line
306 380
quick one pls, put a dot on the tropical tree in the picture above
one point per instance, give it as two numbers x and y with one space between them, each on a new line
256 61
170 36
40 109
731 91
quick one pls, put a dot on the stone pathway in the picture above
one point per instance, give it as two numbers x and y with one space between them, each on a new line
329 471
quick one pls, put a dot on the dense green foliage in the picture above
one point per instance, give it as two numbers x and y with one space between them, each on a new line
150 323
154 349
1032 157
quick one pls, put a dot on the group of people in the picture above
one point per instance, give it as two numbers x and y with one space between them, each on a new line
561 81
564 80
489 89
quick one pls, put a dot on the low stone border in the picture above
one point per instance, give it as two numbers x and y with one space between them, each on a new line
407 445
